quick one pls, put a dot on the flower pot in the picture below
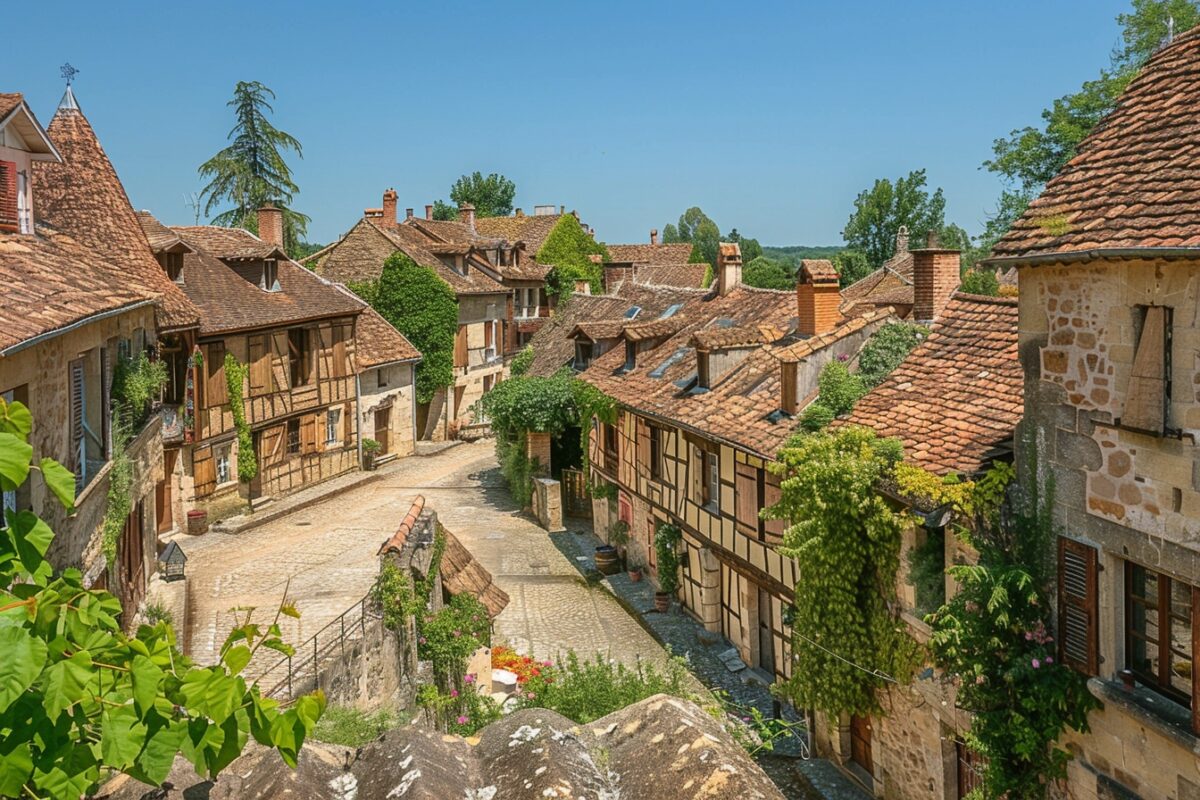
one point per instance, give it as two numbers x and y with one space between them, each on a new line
662 602
606 560
635 574
197 522
368 461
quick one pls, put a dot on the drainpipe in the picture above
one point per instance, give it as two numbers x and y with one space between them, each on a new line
358 412
412 402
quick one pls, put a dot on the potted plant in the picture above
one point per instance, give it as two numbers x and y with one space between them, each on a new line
370 449
666 549
635 573
618 537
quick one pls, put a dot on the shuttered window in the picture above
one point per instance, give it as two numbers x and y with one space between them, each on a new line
78 459
216 389
341 356
260 365
746 497
308 434
772 494
204 471
460 347
1078 606
1161 641
1149 395
8 196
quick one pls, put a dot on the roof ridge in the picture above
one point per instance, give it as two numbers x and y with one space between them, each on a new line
999 300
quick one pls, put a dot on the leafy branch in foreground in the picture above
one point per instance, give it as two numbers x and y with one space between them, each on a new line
80 700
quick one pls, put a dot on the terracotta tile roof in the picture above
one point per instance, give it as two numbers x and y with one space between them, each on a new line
83 197
229 244
653 328
890 285
737 336
600 329
959 395
684 275
819 269
462 574
532 230
395 543
9 101
742 406
1132 181
229 302
674 253
376 342
552 346
798 351
50 281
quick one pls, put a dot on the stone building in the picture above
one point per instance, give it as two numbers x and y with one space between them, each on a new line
487 274
1108 260
82 294
656 263
387 407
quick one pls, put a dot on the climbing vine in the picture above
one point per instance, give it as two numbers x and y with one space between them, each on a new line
568 249
847 639
993 638
666 550
235 378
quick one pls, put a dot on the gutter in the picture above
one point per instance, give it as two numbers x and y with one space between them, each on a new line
42 337
1093 254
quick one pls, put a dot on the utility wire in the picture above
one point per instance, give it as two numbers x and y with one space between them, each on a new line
874 672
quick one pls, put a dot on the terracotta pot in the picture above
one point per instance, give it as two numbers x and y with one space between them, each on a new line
635 574
662 602
197 522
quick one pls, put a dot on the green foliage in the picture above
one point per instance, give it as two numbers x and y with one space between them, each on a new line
462 711
851 266
567 249
155 612
791 255
846 539
992 637
235 379
351 727
137 381
839 389
927 571
80 700
444 211
586 690
816 416
371 446
252 170
396 597
750 248
492 196
767 274
752 729
698 230
424 308
521 362
881 210
666 551
451 634
981 281
516 467
886 348
119 498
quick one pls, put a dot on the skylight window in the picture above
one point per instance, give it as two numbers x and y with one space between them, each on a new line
670 312
671 361
633 312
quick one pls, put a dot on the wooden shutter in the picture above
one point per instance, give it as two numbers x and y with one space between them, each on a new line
75 370
697 475
8 196
204 471
277 360
745 496
643 447
216 389
1146 400
271 444
308 434
349 423
1078 607
341 360
324 352
460 347
260 364
772 494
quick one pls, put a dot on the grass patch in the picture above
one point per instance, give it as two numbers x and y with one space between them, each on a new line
353 728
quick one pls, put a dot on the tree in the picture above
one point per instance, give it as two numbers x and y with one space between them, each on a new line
444 211
80 700
767 274
881 210
424 308
980 281
697 229
1029 157
851 266
568 250
492 196
252 170
751 249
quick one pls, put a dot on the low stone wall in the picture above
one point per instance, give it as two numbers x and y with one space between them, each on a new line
372 672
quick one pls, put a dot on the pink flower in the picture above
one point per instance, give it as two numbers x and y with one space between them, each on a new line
547 663
532 695
421 640
979 679
1036 664
457 634
454 692
468 678
1049 659
462 720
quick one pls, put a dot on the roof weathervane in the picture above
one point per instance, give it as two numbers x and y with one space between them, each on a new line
68 72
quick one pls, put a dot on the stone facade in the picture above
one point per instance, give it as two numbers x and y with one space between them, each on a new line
387 393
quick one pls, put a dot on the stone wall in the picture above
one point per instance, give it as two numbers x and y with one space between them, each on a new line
398 394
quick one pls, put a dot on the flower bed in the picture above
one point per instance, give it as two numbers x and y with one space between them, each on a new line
524 667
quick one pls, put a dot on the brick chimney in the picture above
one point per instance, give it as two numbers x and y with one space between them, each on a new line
429 212
817 297
519 213
654 236
936 274
270 225
408 213
466 215
389 207
729 267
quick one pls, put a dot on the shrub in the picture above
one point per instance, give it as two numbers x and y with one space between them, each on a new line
351 727
451 634
816 416
666 549
136 382
980 281
839 389
767 274
889 346
521 363
585 691
567 249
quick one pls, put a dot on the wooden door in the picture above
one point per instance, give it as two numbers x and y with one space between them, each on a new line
383 429
163 518
131 558
860 743
766 632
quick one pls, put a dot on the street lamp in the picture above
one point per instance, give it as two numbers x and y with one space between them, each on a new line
171 561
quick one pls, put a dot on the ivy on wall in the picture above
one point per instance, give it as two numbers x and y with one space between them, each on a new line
424 308
847 639
567 249
666 550
235 379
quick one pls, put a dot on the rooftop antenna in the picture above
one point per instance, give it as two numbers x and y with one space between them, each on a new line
192 200
1170 29
68 102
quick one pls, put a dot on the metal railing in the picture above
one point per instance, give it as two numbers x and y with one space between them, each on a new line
301 671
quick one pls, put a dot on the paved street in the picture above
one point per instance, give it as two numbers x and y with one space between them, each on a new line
327 552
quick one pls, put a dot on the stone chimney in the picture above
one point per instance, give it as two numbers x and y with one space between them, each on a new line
936 274
428 212
518 213
270 225
817 298
389 207
729 267
654 236
408 213
466 215
901 241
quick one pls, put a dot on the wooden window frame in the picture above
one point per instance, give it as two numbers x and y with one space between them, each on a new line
9 216
291 445
1079 605
656 452
337 437
612 455
1132 417
299 356
710 479
1161 683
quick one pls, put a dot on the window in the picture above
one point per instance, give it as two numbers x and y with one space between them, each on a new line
610 448
216 388
293 437
333 426
270 276
24 212
9 213
221 454
1148 399
1160 613
172 264
489 340
1078 606
381 377
583 355
656 469
299 356
971 768
711 471
632 312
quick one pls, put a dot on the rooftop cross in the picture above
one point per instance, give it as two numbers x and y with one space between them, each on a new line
68 72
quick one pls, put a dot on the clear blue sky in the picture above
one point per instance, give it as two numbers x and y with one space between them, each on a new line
770 117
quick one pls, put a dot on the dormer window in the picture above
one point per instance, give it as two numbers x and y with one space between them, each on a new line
703 378
15 212
172 264
270 276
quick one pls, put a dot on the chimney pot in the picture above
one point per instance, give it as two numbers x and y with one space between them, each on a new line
389 207
654 236
519 213
428 212
562 210
818 298
466 215
901 241
270 225
408 213
729 267
932 240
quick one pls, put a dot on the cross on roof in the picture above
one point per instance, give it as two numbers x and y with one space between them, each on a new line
68 72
